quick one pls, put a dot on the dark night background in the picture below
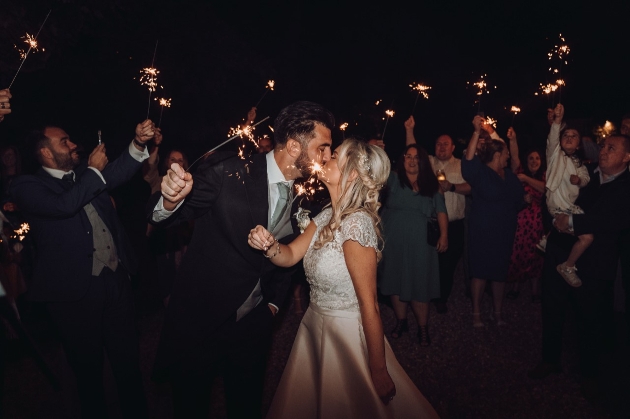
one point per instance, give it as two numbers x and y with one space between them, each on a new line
215 59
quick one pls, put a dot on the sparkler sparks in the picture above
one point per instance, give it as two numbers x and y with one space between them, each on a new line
482 87
343 126
421 89
389 113
515 109
149 78
32 44
164 103
20 233
604 131
491 121
270 86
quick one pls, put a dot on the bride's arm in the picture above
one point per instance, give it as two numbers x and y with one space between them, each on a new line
361 263
281 254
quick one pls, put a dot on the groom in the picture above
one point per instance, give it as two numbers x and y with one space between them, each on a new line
219 318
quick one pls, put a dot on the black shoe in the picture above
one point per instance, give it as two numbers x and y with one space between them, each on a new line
544 369
441 307
423 336
512 295
401 327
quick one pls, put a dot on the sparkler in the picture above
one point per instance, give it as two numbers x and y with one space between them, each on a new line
491 121
149 78
164 103
559 54
343 127
237 133
99 137
389 114
20 233
516 110
604 131
422 90
32 44
270 85
483 88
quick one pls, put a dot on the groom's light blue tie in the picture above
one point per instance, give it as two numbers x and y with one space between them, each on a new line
281 205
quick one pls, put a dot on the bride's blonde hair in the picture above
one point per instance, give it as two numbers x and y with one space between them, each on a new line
364 171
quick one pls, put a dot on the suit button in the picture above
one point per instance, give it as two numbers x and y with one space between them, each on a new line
88 232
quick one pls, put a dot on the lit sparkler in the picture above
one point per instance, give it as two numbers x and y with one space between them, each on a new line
389 114
149 78
422 90
164 103
237 133
20 233
482 87
32 44
491 121
343 127
515 110
270 85
558 57
604 131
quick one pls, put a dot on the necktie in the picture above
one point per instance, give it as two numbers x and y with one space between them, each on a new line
283 198
68 177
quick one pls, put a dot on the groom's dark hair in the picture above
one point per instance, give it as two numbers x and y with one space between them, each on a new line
298 121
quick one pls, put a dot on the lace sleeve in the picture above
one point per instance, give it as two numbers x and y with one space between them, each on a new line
360 228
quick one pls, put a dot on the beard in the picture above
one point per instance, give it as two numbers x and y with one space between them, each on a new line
66 161
303 163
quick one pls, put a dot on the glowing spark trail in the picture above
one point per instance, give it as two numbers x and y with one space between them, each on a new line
422 90
270 85
389 114
32 43
491 121
237 135
149 78
164 103
483 88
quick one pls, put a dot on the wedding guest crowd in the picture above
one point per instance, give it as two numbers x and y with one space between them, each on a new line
229 237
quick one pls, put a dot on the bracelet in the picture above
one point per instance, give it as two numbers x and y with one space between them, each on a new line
275 253
138 143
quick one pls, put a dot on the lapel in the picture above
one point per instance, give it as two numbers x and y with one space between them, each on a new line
257 189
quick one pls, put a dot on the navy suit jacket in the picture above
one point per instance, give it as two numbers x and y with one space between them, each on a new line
219 270
61 231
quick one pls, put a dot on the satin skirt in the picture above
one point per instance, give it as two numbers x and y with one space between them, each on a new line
327 374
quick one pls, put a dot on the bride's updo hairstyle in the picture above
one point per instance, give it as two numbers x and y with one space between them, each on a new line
364 171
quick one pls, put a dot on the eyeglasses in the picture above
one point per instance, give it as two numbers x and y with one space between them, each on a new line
411 157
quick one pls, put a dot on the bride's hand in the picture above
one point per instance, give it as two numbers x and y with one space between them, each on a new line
259 238
384 385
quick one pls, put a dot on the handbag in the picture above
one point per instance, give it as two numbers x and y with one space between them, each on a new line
433 231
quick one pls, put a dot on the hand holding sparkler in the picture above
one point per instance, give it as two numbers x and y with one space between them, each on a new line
144 132
487 125
98 158
410 123
176 185
511 134
5 105
558 114
157 138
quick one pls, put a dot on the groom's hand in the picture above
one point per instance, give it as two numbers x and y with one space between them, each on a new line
176 185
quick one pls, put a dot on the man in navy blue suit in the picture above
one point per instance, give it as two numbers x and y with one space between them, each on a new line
83 261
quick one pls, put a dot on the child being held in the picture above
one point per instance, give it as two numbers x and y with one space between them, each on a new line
565 176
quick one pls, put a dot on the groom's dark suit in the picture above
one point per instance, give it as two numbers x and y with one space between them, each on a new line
201 336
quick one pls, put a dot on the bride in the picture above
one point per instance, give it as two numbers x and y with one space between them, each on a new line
340 365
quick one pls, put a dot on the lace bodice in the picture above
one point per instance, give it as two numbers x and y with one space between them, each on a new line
325 268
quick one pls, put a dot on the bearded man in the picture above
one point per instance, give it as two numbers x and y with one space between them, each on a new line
219 318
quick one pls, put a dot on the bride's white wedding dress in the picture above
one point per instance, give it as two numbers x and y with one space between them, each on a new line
327 374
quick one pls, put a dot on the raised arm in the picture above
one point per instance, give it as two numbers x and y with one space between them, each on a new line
513 144
281 254
472 145
409 126
361 263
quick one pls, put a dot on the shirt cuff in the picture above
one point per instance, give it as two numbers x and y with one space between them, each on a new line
98 172
275 306
160 213
137 154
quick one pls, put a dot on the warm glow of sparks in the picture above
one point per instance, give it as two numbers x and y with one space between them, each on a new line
515 109
164 102
560 82
270 84
491 121
343 126
32 45
548 88
421 89
389 113
604 131
20 233
149 78
378 101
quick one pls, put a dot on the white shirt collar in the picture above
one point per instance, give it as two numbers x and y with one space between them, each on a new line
56 173
274 174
